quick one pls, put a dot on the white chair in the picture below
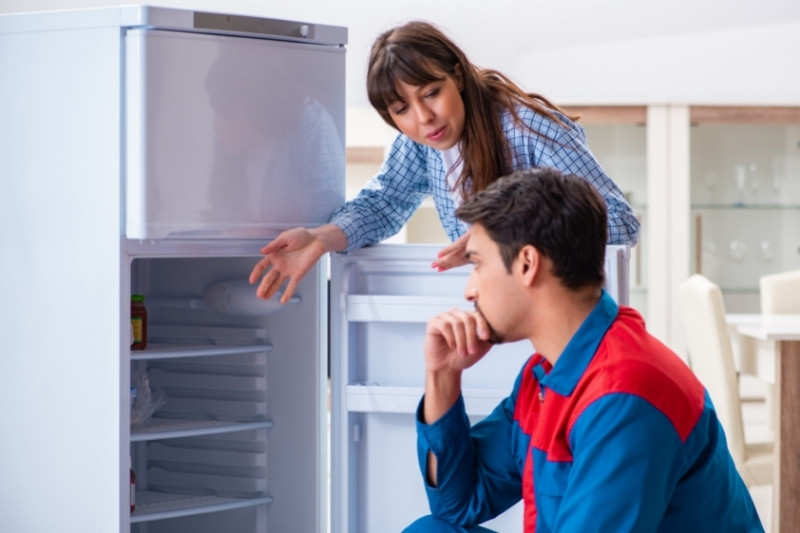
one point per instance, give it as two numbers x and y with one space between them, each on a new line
711 359
780 293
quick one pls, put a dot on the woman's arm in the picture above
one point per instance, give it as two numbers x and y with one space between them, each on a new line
386 203
566 149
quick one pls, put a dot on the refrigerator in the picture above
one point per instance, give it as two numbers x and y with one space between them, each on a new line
154 151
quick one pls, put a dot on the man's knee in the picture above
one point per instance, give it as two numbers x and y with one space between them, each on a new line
430 524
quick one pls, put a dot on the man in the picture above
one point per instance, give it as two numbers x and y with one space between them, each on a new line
606 429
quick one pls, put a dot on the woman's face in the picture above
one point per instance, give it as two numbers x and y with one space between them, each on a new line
431 114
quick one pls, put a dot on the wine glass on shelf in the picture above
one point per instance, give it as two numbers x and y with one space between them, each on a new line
767 251
740 180
754 179
777 184
710 180
737 249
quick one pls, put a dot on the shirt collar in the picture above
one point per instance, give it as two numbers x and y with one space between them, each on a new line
580 349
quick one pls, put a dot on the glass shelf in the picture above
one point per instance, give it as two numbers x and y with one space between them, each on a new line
151 506
160 428
167 351
169 341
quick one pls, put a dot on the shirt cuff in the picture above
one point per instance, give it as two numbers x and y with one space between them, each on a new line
450 430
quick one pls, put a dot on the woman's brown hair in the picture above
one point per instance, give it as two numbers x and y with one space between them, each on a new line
418 53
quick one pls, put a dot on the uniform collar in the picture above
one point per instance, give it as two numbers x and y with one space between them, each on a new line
580 349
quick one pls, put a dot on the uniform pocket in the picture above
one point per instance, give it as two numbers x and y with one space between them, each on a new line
550 485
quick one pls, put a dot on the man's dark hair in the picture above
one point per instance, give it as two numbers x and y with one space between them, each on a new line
561 215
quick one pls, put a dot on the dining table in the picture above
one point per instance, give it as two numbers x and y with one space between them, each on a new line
783 369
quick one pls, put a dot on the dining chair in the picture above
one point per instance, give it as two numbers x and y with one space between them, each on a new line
779 294
711 359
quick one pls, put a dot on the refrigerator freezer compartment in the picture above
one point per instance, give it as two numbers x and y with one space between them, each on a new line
230 137
152 506
404 400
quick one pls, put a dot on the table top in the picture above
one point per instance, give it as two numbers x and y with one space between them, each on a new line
766 327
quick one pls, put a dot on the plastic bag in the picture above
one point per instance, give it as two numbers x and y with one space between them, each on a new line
148 398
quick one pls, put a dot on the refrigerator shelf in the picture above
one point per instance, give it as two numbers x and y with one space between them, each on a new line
167 351
159 428
391 308
151 506
404 400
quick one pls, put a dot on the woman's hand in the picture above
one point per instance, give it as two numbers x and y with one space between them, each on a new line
291 255
453 255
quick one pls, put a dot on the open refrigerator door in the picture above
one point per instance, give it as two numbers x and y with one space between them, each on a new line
381 299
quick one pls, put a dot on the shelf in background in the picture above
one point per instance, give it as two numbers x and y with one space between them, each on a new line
746 207
365 154
758 115
151 506
609 114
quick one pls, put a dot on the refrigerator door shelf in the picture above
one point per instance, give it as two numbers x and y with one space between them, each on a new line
404 400
390 308
385 295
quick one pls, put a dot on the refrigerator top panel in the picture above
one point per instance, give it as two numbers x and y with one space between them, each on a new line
143 16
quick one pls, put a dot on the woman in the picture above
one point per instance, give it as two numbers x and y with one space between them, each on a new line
461 127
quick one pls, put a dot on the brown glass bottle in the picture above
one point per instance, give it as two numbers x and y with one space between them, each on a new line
133 491
138 322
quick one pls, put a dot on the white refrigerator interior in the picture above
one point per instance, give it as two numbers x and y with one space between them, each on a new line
381 300
154 151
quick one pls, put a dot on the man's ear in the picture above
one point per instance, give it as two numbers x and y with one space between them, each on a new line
529 260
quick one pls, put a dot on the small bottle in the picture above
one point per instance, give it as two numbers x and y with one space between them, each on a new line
133 491
138 322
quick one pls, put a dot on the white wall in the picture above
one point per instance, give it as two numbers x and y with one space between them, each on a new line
573 51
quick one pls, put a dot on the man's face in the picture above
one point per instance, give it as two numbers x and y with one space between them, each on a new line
495 292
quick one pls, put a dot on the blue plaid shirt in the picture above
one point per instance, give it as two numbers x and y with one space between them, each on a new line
413 171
